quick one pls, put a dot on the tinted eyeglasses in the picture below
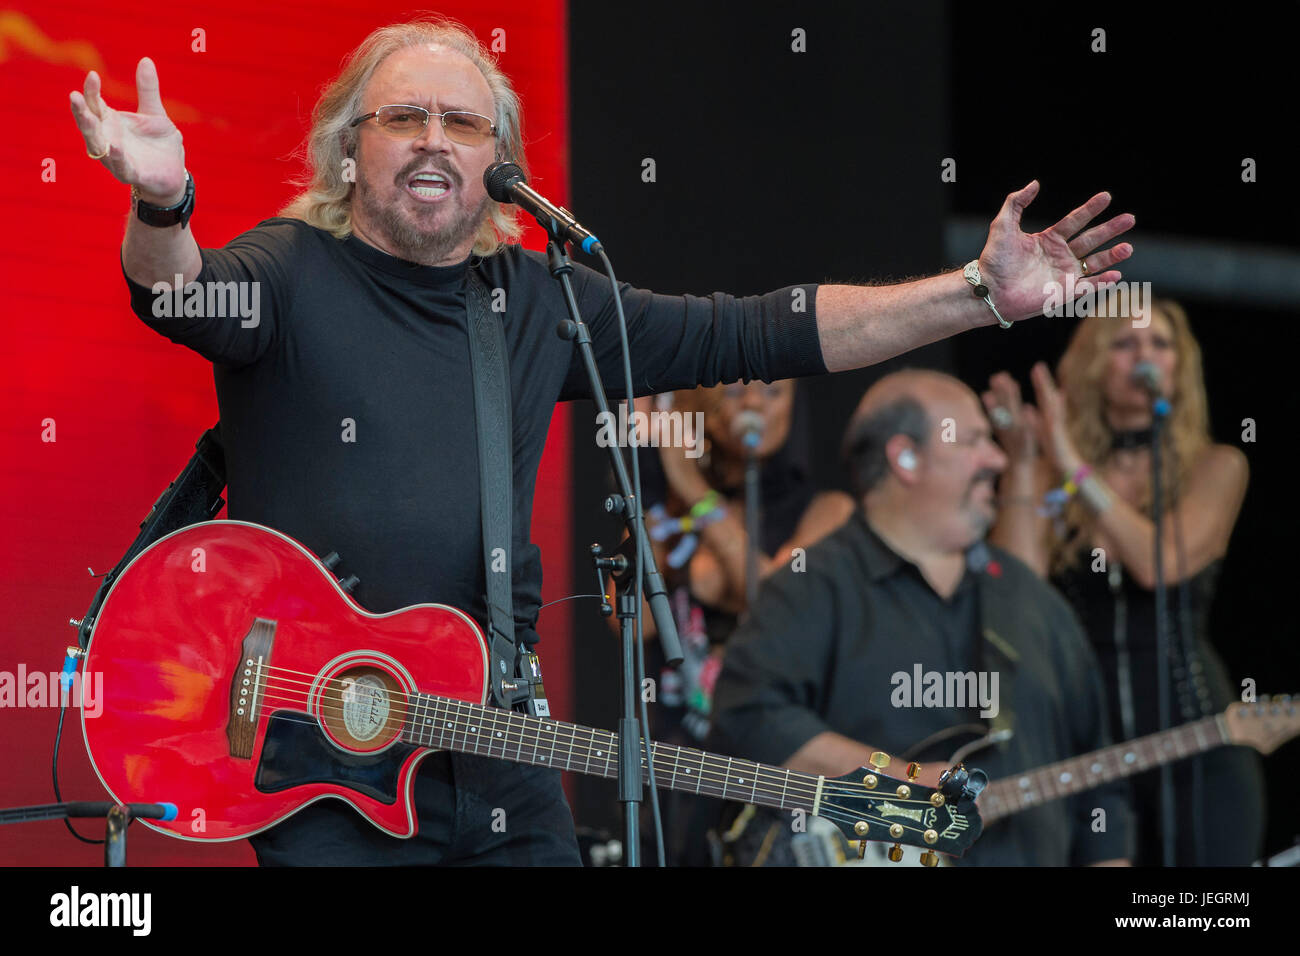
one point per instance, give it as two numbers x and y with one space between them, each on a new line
461 126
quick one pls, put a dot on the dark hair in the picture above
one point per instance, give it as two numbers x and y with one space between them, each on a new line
865 439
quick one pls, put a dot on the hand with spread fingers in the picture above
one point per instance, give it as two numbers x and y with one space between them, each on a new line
1016 266
141 149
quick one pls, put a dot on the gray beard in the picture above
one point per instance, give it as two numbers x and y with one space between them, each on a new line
408 241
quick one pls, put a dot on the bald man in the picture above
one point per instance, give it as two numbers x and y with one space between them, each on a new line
837 659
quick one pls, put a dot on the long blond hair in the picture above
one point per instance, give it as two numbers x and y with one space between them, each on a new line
1081 372
326 201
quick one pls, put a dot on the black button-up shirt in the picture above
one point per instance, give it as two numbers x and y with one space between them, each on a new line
825 644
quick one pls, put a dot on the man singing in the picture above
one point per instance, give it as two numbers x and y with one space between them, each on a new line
363 318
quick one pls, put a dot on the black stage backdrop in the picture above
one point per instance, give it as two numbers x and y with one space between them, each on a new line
774 166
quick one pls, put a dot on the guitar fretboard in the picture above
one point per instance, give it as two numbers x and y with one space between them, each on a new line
446 724
1055 781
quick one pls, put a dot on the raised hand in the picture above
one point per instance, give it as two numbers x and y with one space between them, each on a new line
1016 266
1015 423
1053 429
141 149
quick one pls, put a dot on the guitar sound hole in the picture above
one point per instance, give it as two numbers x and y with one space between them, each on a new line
362 709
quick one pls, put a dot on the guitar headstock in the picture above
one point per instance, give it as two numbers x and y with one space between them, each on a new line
1266 724
869 805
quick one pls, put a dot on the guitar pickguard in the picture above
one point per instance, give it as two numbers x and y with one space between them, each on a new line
296 752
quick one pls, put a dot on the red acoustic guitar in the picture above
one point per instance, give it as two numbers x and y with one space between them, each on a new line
242 683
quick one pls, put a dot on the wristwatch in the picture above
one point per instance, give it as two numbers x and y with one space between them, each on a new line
163 216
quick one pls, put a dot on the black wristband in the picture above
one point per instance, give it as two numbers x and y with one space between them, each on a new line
164 216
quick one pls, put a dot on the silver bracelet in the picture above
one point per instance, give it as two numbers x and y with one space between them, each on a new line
972 274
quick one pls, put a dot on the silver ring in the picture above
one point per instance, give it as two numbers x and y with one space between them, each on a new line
1001 417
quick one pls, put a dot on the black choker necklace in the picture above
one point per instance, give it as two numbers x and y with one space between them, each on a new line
1131 438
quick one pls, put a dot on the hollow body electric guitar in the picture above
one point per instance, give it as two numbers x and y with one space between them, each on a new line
241 683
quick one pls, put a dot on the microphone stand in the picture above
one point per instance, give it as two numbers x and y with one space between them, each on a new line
119 816
1159 411
752 505
641 562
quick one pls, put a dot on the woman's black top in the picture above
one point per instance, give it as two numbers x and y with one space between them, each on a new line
1219 796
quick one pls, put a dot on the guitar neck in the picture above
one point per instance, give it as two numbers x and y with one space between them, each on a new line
442 723
1012 794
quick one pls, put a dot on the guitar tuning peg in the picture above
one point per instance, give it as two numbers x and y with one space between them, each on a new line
929 858
895 853
879 760
860 830
913 771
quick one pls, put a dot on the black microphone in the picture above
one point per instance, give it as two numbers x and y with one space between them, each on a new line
1147 376
505 182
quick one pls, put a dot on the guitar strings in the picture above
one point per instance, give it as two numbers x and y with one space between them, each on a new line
464 725
809 788
792 786
828 808
804 787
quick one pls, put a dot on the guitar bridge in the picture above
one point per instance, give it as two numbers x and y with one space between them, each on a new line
246 688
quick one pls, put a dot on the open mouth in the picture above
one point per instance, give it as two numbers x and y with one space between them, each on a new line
429 186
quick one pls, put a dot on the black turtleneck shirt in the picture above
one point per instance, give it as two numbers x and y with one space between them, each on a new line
347 410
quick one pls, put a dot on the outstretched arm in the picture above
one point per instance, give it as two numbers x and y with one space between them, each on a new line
863 325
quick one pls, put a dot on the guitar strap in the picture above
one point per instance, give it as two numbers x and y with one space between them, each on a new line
515 671
194 496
